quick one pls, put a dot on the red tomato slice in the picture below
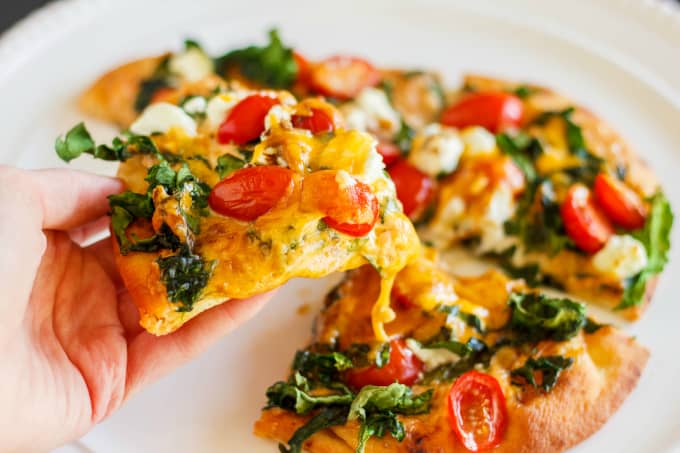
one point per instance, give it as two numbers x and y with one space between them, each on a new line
342 77
317 122
245 121
351 209
302 65
404 367
250 192
493 110
586 225
414 188
477 411
622 205
389 152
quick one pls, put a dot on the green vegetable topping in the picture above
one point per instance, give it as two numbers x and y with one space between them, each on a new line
78 141
655 236
547 368
537 317
227 164
184 274
325 418
272 65
161 78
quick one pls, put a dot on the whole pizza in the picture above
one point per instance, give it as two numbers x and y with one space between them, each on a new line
260 165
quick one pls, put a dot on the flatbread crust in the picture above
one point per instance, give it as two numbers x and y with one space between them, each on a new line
607 365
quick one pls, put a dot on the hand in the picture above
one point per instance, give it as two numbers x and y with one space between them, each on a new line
71 347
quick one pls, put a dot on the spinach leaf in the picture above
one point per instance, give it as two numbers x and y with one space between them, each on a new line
537 317
161 78
469 319
523 151
325 418
404 137
78 141
320 367
655 236
592 326
523 91
377 407
548 368
272 65
382 356
184 275
295 396
227 164
473 345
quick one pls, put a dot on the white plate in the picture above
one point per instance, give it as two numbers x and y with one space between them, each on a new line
621 58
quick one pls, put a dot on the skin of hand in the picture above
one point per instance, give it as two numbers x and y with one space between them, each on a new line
71 345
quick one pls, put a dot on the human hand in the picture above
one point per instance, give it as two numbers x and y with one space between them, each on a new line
71 346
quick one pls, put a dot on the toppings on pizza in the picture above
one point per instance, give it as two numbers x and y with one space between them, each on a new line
258 190
468 363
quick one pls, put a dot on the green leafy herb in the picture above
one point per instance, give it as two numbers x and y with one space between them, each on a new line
472 346
161 78
184 275
376 408
404 137
227 164
523 91
325 418
272 65
295 396
548 368
655 236
592 326
537 317
382 356
470 319
78 141
523 151
321 367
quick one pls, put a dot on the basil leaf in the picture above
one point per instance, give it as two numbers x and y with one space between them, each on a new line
537 317
227 164
548 368
325 418
655 236
272 65
76 142
377 425
397 398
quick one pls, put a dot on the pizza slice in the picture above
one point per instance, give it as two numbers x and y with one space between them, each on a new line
232 195
471 364
512 172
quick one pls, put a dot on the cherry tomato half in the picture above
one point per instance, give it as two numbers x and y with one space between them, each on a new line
492 110
403 367
622 205
245 121
350 206
318 122
477 411
250 192
586 225
342 77
389 152
414 188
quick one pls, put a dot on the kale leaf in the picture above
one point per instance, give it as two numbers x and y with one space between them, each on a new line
272 65
655 236
537 317
548 368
